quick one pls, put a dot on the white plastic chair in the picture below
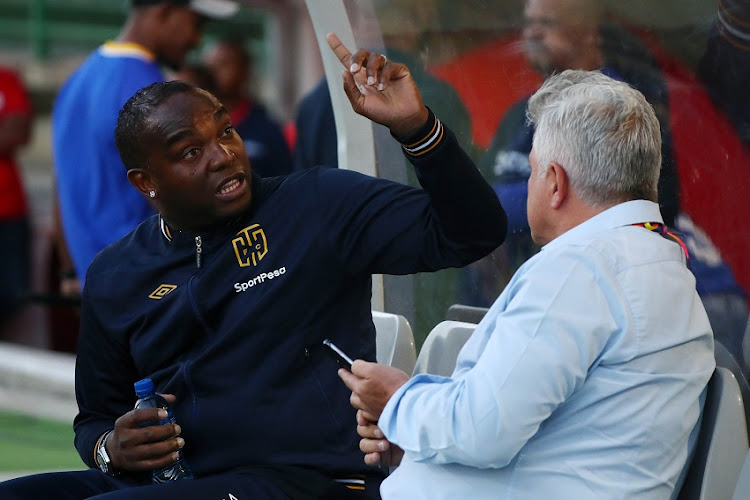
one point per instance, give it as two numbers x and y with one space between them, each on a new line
722 442
441 347
394 341
742 490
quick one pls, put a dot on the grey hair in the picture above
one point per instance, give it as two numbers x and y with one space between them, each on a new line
602 132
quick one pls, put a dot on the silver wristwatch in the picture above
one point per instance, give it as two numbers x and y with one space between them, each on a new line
102 458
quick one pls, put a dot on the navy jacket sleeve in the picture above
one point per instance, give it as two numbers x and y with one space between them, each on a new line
379 226
99 409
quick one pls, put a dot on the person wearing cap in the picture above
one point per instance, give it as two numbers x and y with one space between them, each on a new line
95 201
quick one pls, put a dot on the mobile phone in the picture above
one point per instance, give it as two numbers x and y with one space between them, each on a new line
338 355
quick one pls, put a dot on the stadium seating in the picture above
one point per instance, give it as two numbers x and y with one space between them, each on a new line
725 359
395 341
742 489
441 347
722 442
466 314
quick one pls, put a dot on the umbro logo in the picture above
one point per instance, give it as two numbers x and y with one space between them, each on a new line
161 291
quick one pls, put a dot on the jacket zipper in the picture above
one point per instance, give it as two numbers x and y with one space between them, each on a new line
198 251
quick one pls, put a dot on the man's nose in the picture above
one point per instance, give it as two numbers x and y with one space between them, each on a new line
221 156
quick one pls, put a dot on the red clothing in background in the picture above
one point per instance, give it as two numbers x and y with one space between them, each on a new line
13 100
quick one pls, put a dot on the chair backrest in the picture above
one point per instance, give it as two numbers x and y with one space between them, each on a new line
466 314
441 347
722 442
742 489
394 341
746 350
726 359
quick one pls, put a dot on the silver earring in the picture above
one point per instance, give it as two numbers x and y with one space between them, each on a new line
152 194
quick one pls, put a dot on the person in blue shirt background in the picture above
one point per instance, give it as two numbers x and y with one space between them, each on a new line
97 204
587 374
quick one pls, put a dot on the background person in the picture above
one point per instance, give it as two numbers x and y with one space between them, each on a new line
316 143
232 68
197 75
560 35
16 116
588 373
97 204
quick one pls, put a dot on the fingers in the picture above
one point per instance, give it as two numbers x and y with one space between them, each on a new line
373 449
143 417
370 431
171 398
373 459
349 379
139 443
362 420
378 69
154 455
363 368
338 48
374 445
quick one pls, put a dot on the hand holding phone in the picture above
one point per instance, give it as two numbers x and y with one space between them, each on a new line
338 355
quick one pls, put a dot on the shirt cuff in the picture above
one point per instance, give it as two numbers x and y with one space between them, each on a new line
388 420
425 139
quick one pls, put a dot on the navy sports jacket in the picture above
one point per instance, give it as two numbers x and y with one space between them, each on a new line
236 339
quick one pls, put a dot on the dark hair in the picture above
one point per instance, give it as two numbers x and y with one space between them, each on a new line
132 121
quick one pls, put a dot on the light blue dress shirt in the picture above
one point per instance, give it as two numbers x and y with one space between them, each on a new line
585 380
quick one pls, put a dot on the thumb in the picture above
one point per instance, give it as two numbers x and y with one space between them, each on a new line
353 92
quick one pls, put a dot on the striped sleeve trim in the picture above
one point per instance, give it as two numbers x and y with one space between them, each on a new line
734 25
428 142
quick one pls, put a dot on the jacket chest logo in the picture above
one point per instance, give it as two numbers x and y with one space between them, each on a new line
161 291
250 246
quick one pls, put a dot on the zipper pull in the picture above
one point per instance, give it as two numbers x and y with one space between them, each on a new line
198 251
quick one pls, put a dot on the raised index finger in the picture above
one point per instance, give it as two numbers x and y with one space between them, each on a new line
339 49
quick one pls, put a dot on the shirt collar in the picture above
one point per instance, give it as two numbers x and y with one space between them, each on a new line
622 214
126 49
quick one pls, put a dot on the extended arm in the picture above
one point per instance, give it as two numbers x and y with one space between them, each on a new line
455 219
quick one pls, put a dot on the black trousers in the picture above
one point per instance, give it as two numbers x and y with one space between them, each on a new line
92 484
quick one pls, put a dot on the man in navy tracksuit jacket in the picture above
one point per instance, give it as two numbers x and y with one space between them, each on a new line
224 298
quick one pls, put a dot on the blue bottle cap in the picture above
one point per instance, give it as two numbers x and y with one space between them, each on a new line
144 387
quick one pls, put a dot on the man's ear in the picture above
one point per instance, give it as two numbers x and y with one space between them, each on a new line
140 178
559 185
